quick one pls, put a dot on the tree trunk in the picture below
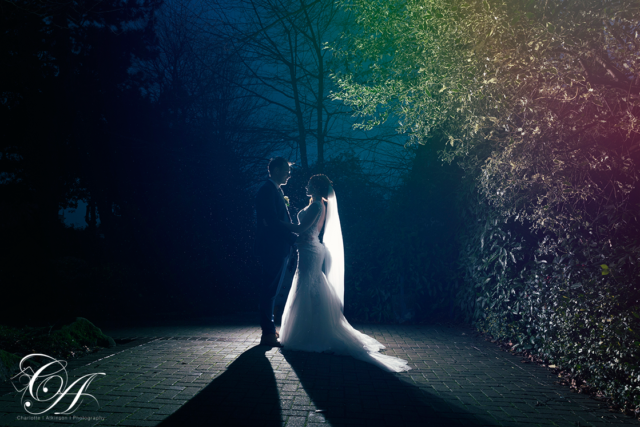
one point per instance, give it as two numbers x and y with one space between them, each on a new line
319 107
301 129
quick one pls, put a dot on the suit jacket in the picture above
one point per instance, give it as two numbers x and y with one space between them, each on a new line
274 240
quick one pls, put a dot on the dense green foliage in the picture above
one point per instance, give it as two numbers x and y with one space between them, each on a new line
539 104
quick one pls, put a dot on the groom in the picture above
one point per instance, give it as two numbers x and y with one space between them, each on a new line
274 243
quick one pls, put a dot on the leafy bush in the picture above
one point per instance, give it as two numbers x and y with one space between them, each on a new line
72 340
539 102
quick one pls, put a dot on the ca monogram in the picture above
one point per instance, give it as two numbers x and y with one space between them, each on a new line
40 383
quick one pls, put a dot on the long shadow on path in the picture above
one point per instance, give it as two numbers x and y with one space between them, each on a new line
346 391
245 394
349 392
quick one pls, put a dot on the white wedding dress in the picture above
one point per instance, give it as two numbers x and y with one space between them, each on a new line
312 319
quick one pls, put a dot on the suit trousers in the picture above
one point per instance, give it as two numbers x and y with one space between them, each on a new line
272 276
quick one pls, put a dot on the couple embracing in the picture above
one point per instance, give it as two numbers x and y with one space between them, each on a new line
313 318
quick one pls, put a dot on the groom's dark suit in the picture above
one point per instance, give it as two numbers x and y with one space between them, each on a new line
273 246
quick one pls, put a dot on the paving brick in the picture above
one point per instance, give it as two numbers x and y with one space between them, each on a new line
12 420
296 422
142 413
138 423
136 404
114 418
156 417
457 380
118 409
167 409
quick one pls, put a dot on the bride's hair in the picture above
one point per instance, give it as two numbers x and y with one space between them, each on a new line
321 183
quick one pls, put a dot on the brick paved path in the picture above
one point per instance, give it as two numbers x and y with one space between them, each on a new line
213 373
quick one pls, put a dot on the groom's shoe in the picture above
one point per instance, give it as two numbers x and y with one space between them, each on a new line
270 340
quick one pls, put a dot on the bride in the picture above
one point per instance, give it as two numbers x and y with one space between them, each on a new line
312 319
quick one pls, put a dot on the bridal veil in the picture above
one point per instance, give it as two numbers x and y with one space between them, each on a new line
334 253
